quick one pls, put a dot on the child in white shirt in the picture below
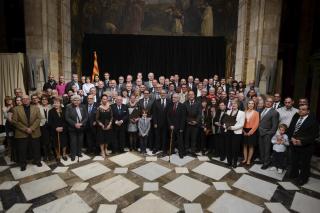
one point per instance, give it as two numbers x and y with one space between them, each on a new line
280 142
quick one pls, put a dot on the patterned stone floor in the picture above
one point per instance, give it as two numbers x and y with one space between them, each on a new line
131 182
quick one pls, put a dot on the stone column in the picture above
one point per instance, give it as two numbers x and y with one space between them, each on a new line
257 40
47 28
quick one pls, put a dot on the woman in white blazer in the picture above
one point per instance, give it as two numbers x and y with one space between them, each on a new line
234 133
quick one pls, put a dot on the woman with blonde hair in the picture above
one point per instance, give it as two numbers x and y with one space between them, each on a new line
104 119
251 125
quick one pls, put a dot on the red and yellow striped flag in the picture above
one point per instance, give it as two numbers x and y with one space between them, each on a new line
95 65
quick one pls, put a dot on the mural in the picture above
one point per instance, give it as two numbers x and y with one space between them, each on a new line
154 17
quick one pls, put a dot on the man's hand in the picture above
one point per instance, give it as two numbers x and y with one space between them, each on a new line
59 129
29 131
172 127
155 126
78 125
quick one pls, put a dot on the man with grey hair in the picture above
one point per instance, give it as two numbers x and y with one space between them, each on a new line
159 118
26 120
120 114
76 117
176 117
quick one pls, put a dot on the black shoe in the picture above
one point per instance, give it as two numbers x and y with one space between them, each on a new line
234 165
64 158
39 164
264 167
23 167
229 164
193 155
80 155
73 158
181 156
154 152
222 158
301 182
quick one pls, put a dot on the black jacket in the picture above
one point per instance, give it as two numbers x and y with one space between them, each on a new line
308 131
159 114
177 118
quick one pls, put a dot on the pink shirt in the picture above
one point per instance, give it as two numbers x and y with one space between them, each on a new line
61 88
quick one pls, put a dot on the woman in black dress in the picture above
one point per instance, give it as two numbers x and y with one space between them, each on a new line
104 120
58 127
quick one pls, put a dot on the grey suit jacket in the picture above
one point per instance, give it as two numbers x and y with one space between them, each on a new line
269 123
72 116
144 127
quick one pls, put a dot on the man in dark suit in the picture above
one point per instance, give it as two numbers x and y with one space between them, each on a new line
120 119
90 133
277 101
106 76
193 121
191 85
99 91
160 124
146 103
50 84
76 117
302 132
268 126
26 120
74 81
176 121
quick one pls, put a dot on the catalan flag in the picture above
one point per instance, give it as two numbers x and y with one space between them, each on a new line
95 65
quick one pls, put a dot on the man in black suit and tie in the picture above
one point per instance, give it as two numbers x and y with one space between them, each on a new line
193 121
90 133
145 104
75 82
277 101
100 90
160 124
106 76
120 118
302 132
191 85
176 121
76 117
268 126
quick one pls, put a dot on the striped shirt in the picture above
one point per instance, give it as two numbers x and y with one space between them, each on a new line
286 115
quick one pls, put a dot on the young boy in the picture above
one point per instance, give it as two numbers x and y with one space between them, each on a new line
144 125
280 141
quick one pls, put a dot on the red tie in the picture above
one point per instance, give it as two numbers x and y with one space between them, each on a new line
174 107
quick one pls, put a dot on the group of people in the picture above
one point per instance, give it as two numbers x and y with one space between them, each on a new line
221 117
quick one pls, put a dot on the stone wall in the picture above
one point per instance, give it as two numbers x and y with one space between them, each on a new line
257 40
48 39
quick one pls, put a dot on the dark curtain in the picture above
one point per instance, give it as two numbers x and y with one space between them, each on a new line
164 55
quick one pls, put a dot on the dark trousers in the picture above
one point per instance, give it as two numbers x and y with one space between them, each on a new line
177 142
265 148
221 145
233 143
76 142
300 161
278 159
143 143
204 139
90 135
161 138
45 141
191 138
119 138
23 144
211 143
